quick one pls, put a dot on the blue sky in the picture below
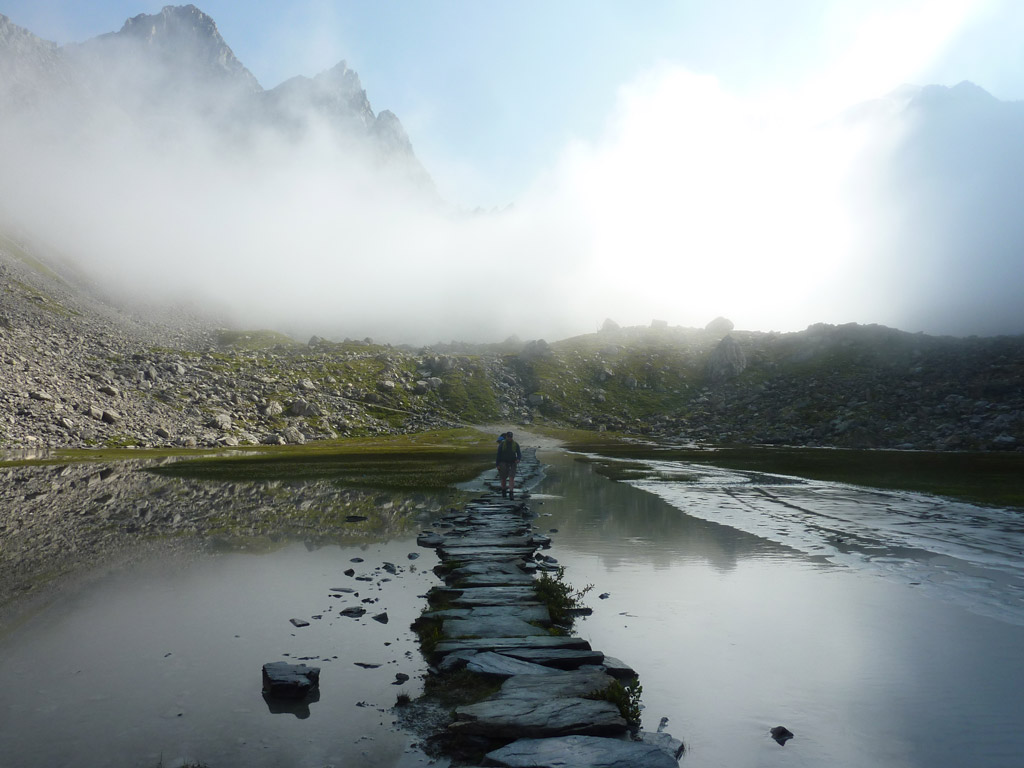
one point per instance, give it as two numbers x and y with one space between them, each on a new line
492 92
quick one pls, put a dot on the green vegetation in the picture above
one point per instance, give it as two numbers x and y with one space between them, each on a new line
981 478
560 597
424 461
460 688
470 395
254 340
625 697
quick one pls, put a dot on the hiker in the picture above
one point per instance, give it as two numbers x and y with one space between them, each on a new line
508 457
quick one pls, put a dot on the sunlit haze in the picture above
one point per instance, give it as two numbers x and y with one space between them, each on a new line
674 161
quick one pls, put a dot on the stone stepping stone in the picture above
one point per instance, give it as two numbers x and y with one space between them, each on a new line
473 596
535 718
580 752
510 567
618 669
553 656
499 665
492 626
579 683
449 552
514 646
532 613
492 579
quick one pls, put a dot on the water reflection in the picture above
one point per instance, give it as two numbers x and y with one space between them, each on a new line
734 634
59 518
163 662
623 527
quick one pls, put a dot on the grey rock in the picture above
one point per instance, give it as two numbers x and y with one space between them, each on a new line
499 665
560 658
726 361
220 421
578 683
289 681
273 408
535 718
668 744
580 752
494 626
111 417
293 436
38 394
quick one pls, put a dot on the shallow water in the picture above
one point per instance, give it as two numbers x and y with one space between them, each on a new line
734 631
881 628
161 663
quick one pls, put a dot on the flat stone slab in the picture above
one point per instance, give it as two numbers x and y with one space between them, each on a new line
515 646
531 613
517 718
499 665
577 683
474 596
497 565
487 539
449 552
554 656
618 669
490 626
580 752
495 579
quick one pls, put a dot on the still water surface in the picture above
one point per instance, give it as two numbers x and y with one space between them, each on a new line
733 632
876 643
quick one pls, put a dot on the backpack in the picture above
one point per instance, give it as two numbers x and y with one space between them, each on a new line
507 451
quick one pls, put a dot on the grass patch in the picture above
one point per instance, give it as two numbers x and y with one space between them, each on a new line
460 688
253 340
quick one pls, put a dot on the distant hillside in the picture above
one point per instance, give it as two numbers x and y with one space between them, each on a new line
78 371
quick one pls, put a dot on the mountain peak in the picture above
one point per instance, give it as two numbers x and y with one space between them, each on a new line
184 35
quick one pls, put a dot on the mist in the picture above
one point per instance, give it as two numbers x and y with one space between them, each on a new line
694 203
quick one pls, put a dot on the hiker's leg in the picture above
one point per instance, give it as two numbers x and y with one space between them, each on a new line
512 481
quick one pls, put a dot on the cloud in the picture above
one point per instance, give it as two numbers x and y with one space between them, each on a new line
695 202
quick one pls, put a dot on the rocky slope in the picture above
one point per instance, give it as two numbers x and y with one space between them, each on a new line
76 371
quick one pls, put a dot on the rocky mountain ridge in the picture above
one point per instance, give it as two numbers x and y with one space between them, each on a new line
79 372
166 71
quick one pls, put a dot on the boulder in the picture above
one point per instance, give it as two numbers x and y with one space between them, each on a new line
719 326
290 681
726 361
273 408
220 421
293 436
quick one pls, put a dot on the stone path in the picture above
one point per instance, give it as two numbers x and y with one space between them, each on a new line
549 710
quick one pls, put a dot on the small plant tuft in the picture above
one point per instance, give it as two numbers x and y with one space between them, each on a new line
625 697
561 598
